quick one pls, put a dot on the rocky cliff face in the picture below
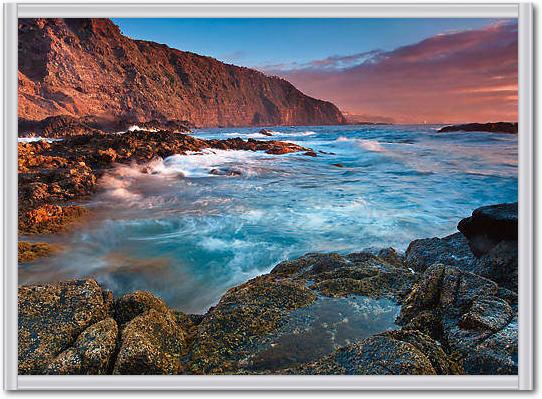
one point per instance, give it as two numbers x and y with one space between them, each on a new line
86 67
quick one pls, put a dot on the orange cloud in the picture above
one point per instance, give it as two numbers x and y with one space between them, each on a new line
455 77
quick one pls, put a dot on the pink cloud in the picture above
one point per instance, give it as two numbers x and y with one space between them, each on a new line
454 77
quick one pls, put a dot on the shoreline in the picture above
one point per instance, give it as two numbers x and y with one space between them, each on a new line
54 175
454 317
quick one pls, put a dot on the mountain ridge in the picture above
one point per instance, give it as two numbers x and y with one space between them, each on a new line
86 67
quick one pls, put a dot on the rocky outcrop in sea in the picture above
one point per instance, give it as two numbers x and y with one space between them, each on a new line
492 127
446 306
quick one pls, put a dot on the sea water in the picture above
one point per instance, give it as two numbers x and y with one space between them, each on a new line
188 235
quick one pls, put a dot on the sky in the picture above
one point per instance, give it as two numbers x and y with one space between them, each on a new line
400 70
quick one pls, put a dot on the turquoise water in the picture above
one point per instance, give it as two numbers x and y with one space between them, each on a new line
174 229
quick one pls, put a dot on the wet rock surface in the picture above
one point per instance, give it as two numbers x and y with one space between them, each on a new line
452 250
469 312
366 313
403 352
29 251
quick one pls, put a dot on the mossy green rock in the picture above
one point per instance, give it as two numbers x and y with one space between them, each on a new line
51 317
131 305
244 317
151 343
391 353
92 352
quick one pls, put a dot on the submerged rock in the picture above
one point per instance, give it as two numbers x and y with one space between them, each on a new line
225 172
30 251
403 352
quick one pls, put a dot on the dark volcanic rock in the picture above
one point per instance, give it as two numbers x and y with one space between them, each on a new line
494 127
452 250
500 264
57 126
489 225
82 67
403 352
265 132
52 316
473 318
175 126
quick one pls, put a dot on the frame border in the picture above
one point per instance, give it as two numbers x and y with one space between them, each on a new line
524 379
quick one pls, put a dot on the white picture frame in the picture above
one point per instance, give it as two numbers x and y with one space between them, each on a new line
524 379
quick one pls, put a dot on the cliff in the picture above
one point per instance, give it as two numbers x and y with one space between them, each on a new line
86 67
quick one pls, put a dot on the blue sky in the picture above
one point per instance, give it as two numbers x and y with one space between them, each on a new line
261 42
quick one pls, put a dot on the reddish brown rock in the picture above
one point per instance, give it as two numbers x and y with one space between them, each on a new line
86 67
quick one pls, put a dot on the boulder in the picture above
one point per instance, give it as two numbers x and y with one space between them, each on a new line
452 250
240 324
151 343
92 352
265 132
131 305
490 225
500 264
52 316
471 316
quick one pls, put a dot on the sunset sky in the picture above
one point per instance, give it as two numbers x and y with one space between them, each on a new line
400 70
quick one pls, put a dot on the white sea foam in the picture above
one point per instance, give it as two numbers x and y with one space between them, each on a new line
35 139
274 134
200 164
369 145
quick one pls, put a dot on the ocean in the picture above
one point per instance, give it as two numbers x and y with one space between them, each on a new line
186 235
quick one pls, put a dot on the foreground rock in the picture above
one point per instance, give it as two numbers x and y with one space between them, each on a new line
487 245
302 310
452 250
52 316
471 316
92 353
367 313
493 127
75 327
404 352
